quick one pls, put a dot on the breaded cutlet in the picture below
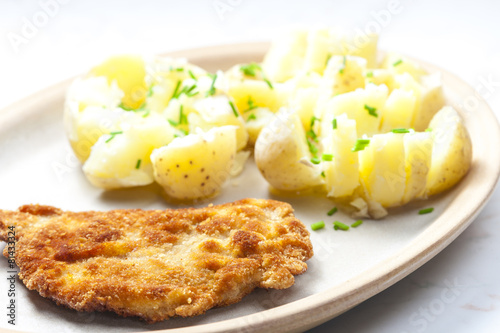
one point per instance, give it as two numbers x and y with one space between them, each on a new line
156 264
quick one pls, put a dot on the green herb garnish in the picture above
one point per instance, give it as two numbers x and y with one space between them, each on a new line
138 164
251 104
399 62
250 69
268 83
182 116
360 144
318 225
357 224
371 110
369 74
176 89
339 225
315 160
327 157
332 211
341 70
113 134
192 75
334 123
251 117
312 148
425 211
234 109
211 91
313 120
400 130
323 174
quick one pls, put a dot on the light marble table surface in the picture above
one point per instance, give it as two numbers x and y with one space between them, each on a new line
458 290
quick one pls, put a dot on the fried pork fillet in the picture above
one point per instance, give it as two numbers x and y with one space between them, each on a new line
157 264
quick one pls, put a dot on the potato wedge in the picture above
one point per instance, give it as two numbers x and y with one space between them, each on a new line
418 157
122 158
342 172
196 166
282 155
451 152
398 110
382 169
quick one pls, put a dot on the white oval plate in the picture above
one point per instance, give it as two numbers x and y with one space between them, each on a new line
347 268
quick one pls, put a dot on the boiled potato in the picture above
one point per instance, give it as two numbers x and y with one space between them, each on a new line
216 112
382 169
197 165
316 54
129 72
344 74
363 105
249 93
399 64
122 158
282 156
380 76
451 152
286 56
432 100
341 173
418 157
303 102
398 110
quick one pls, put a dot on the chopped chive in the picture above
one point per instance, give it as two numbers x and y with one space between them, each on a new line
311 134
150 91
192 75
428 129
357 224
400 130
146 114
250 69
251 104
183 131
327 157
211 90
251 117
113 134
360 144
180 69
318 225
371 110
425 211
332 211
399 62
234 109
182 116
312 148
313 120
323 174
339 225
176 89
126 108
268 83
341 70
369 74
138 165
334 123
173 123
315 160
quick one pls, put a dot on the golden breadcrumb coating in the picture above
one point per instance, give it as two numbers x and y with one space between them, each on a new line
157 264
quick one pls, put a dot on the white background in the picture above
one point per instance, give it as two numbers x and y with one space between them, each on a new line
459 36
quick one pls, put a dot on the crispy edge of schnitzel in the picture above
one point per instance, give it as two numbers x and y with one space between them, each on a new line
253 256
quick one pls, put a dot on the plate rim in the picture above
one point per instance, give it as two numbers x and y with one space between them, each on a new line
315 309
